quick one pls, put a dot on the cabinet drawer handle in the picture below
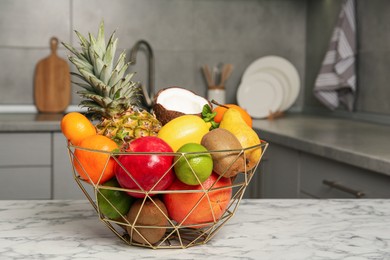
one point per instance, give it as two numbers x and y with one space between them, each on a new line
334 184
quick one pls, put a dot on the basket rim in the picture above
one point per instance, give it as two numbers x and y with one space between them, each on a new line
117 152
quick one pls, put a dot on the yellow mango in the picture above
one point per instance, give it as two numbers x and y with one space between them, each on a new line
182 130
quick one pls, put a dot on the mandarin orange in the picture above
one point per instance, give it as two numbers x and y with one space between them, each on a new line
96 164
220 110
76 127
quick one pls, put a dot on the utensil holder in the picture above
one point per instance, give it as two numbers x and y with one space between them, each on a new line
217 93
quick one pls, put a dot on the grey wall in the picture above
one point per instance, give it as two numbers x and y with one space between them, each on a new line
188 33
374 57
183 33
373 66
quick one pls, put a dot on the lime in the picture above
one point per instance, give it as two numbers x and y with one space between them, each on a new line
120 200
194 166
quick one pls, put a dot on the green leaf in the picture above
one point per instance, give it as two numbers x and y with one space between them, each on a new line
208 116
214 125
100 41
206 110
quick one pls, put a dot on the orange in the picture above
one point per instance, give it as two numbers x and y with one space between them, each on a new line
95 166
194 208
220 110
76 127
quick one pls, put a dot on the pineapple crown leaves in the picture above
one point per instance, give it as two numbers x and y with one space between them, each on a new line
107 91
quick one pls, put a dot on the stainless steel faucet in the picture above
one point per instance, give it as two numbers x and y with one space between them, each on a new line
149 90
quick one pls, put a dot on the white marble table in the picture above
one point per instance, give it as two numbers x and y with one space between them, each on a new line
261 229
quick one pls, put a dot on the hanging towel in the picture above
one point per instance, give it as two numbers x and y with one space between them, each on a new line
336 81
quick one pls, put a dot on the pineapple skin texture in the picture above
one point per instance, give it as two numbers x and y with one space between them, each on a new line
129 126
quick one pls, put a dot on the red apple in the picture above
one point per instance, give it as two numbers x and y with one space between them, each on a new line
145 171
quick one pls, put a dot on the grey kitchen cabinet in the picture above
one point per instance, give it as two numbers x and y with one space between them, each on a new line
253 190
32 182
18 149
36 166
64 185
346 181
279 172
290 173
25 166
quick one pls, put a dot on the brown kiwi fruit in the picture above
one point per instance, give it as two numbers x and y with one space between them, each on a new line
147 214
224 163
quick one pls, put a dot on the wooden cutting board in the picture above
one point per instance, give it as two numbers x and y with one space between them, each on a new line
52 90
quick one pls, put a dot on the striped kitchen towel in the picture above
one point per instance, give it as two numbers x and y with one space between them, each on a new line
336 81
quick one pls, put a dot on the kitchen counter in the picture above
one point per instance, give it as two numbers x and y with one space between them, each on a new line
361 144
261 229
29 122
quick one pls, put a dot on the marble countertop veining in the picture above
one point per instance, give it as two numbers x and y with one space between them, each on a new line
261 229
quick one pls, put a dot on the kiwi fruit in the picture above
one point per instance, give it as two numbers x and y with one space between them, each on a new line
224 163
147 214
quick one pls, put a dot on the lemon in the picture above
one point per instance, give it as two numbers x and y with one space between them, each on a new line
194 166
182 130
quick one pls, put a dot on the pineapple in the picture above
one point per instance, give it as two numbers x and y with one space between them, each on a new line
110 96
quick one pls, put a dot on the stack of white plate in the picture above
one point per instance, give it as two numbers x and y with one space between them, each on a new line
270 84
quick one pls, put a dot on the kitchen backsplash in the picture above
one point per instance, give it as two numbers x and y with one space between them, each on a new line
184 34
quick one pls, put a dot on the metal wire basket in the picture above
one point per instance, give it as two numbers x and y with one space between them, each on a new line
175 234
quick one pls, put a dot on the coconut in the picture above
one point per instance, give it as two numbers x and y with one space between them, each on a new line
173 102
